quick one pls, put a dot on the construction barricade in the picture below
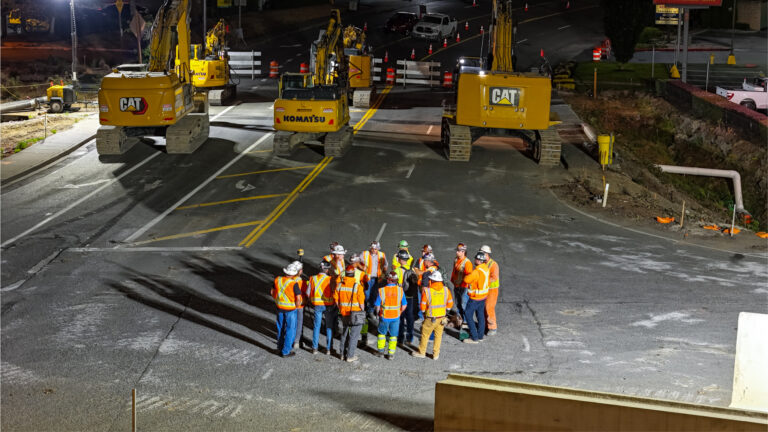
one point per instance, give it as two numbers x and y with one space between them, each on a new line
244 63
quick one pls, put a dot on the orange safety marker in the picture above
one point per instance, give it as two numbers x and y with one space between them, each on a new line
664 220
413 54
390 76
303 68
466 26
458 37
542 52
365 26
712 227
430 49
481 30
274 70
448 79
568 5
386 56
526 7
474 3
728 231
762 234
445 42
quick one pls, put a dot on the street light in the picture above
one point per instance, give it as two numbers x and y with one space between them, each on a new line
74 42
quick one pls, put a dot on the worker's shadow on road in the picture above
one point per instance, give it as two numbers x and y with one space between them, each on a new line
236 302
390 409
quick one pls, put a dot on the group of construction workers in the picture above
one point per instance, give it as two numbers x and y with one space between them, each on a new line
365 289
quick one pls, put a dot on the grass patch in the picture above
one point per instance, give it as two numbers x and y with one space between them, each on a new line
617 75
26 143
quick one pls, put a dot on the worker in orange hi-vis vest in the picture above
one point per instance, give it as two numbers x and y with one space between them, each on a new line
321 297
436 301
477 283
329 257
493 291
287 294
389 305
337 264
374 265
350 298
462 267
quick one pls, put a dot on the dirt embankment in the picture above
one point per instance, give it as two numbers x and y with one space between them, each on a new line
650 131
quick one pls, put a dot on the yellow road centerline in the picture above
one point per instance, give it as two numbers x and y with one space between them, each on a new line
264 171
277 211
260 151
194 233
372 110
208 204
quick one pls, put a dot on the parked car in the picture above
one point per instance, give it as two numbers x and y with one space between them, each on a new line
401 22
752 95
435 26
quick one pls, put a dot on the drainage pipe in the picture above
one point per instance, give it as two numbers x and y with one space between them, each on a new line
708 172
22 105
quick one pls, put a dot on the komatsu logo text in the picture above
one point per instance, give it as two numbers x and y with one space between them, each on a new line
134 105
304 119
505 96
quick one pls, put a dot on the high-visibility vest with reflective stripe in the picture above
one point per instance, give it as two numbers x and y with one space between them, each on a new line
494 279
320 290
328 258
368 260
457 277
400 271
479 290
285 298
391 298
432 268
347 303
435 299
396 262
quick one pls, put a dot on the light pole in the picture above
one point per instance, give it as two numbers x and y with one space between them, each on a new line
74 42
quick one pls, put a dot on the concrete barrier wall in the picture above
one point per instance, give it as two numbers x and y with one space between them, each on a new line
750 370
469 403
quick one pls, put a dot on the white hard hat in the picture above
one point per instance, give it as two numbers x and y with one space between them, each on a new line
485 249
375 245
436 276
355 258
293 268
338 250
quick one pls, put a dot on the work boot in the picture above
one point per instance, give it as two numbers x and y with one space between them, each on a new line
379 354
469 341
328 351
418 354
314 351
435 356
491 333
352 359
390 356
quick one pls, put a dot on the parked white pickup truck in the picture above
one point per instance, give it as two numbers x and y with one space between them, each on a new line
435 26
752 95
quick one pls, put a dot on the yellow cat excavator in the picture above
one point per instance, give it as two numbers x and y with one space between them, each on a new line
315 106
360 67
210 66
160 101
499 98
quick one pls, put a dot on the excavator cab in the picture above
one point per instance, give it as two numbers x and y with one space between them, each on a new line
292 81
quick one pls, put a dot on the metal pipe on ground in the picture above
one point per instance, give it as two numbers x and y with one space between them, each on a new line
709 172
22 105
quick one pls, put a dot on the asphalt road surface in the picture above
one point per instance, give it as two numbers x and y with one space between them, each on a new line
152 271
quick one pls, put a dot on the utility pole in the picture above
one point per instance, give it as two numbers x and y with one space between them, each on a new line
686 18
74 42
205 11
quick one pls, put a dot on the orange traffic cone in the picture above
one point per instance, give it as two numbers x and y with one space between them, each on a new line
430 49
466 26
458 37
445 43
413 54
474 3
365 26
526 7
542 52
481 30
386 56
567 5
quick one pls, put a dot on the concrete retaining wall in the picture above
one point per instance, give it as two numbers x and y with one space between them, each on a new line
469 403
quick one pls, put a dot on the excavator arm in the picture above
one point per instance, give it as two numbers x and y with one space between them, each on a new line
328 60
216 39
171 27
502 37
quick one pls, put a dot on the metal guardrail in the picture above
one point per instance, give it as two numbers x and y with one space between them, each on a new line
244 63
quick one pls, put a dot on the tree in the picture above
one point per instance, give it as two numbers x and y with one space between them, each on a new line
624 21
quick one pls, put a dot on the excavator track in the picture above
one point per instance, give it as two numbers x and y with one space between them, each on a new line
187 134
547 147
457 141
224 96
337 143
112 140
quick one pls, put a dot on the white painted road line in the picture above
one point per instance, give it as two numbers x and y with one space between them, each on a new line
564 27
526 345
267 374
381 231
521 41
157 249
410 171
80 201
430 129
162 215
224 112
